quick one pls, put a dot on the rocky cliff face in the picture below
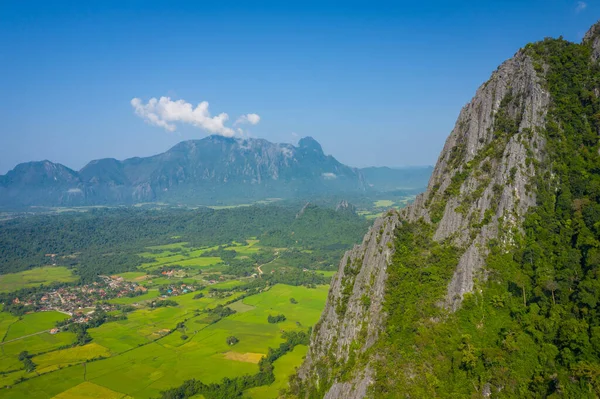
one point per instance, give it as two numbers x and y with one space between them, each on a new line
479 193
479 187
353 313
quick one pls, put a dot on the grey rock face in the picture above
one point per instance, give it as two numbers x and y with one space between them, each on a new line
479 191
345 206
592 37
355 389
347 317
494 195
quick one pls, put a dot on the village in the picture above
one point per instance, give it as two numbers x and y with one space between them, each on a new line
72 300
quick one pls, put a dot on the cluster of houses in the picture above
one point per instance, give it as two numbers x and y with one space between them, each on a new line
176 289
169 273
72 299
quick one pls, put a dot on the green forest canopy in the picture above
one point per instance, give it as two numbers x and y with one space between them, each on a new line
107 241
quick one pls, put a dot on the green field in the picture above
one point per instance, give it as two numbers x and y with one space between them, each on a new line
370 215
276 265
40 343
51 360
33 323
35 277
178 254
284 367
228 284
383 203
28 333
199 262
6 319
144 359
88 390
151 294
327 273
137 347
150 351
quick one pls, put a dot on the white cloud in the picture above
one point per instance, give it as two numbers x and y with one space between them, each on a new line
581 5
294 134
329 176
165 113
252 119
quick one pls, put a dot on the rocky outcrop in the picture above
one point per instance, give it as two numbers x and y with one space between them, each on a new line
479 191
592 38
345 206
479 187
353 315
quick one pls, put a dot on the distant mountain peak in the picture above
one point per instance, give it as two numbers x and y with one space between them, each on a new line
204 171
309 143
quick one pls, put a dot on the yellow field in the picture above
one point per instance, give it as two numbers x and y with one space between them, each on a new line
383 203
244 357
68 356
88 390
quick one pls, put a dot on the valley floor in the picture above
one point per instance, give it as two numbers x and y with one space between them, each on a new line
157 348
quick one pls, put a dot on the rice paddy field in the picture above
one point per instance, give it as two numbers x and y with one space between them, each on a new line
35 277
151 351
383 203
32 323
179 254
284 367
380 206
145 354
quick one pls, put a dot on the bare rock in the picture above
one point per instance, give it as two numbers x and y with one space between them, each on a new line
492 166
592 37
353 316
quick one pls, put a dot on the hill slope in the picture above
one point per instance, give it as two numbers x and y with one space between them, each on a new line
487 286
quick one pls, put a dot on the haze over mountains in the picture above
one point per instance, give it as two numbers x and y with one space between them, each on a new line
212 170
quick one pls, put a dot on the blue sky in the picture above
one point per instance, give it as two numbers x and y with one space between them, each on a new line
377 83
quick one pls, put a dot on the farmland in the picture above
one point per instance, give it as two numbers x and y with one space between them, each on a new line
147 353
171 305
35 277
140 362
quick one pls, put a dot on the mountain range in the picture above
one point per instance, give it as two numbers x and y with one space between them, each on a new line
212 170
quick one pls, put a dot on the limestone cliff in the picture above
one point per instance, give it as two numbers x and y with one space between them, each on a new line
481 179
353 313
481 189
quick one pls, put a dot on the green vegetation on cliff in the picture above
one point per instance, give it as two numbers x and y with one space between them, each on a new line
532 328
